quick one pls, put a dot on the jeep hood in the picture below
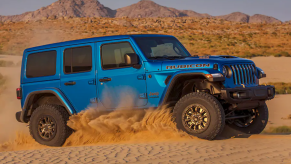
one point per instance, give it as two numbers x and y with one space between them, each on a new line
201 62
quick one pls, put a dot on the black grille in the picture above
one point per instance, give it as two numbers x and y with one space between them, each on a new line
243 74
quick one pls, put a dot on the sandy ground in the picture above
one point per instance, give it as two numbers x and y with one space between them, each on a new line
278 69
256 149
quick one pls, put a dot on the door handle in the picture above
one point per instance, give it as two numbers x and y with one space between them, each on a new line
70 83
106 79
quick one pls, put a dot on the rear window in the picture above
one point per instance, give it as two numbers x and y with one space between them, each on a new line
78 59
41 64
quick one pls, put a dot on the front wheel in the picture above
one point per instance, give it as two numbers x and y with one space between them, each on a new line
200 114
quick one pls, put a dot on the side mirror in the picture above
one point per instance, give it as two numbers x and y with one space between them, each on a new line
132 59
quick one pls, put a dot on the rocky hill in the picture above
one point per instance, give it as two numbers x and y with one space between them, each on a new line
142 9
148 8
65 8
236 17
258 18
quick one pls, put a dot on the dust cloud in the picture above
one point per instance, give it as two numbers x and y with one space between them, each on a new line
9 104
95 126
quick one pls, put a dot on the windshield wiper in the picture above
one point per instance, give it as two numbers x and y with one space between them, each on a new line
168 57
157 57
176 57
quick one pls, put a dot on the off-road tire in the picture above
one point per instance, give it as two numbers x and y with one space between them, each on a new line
258 124
60 115
215 110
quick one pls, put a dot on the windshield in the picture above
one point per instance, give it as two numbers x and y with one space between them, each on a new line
161 47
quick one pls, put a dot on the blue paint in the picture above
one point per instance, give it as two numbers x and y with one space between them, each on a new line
129 87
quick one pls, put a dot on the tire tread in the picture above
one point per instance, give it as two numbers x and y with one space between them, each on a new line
58 110
201 95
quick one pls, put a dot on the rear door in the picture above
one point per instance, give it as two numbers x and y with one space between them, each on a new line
119 85
78 75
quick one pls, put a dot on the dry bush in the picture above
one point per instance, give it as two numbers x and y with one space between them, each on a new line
278 130
4 63
282 88
2 79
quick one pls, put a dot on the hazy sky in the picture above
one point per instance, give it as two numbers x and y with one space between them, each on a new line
280 9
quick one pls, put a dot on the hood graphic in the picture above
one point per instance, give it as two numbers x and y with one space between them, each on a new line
200 63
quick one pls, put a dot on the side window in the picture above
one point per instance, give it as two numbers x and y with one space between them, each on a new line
78 59
41 64
113 55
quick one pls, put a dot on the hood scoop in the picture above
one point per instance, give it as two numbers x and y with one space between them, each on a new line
227 56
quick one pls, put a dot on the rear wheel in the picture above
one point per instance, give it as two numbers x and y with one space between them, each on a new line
255 123
48 125
200 114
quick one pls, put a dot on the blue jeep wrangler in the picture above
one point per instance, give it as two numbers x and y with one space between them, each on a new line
205 93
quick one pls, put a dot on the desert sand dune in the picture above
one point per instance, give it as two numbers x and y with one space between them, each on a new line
256 149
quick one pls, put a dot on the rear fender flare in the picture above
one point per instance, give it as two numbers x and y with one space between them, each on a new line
65 102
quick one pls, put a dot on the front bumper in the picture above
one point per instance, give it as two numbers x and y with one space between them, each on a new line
249 94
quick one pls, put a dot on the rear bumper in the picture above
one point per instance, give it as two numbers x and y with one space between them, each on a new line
251 94
18 116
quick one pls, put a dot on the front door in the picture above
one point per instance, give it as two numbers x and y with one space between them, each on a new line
78 75
119 85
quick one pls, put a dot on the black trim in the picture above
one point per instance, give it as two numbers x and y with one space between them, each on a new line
171 85
167 79
24 111
18 115
250 94
215 79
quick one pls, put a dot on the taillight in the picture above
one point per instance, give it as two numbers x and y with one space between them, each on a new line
19 93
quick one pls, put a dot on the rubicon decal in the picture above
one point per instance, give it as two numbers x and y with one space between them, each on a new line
188 66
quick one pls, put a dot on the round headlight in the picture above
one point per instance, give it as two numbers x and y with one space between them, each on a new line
227 71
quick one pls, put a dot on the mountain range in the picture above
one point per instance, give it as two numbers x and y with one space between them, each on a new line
142 9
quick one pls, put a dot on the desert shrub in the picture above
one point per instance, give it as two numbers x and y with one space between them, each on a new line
280 129
6 63
283 53
282 88
250 55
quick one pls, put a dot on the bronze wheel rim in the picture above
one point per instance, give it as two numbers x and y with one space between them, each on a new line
47 128
196 118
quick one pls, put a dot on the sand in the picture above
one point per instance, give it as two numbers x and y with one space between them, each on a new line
278 69
255 149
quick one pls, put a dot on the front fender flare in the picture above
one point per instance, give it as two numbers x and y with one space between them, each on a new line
187 73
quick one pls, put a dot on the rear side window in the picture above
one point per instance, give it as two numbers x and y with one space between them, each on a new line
113 55
41 64
78 59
